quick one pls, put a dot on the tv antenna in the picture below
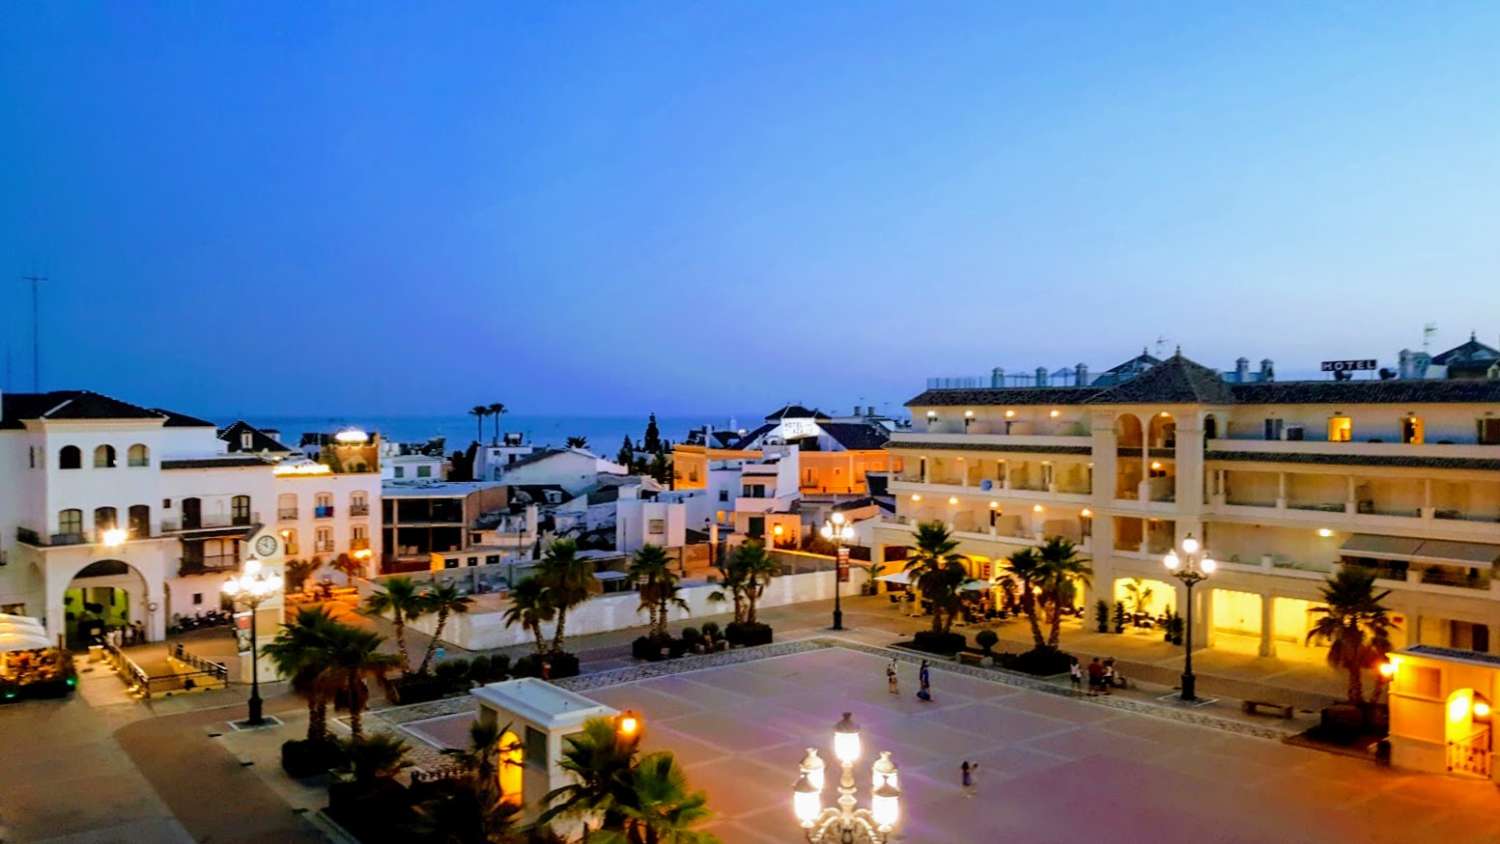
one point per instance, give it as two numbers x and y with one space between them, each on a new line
36 336
1429 331
1161 345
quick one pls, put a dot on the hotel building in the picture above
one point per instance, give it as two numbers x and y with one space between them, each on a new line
1283 481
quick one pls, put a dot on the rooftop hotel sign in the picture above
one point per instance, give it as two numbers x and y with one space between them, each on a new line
1348 365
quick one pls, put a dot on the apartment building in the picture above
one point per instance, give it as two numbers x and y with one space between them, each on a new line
1283 481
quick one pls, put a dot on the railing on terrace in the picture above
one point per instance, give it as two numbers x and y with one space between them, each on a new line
287 513
1444 576
209 522
1471 755
1457 514
1320 506
359 509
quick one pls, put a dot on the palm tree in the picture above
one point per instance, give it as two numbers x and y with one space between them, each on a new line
530 606
1355 625
482 757
1140 594
380 756
349 567
600 763
661 808
578 442
754 568
651 569
300 651
569 581
479 411
496 410
940 572
354 656
298 571
443 599
466 813
1062 569
405 603
1026 567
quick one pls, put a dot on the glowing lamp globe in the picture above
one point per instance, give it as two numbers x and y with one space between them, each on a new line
814 769
885 805
846 739
1190 544
1209 565
1172 561
806 804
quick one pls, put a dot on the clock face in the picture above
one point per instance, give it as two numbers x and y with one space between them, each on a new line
266 545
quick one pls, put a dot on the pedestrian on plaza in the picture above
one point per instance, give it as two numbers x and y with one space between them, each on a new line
1096 676
1109 676
924 679
966 774
1075 674
892 679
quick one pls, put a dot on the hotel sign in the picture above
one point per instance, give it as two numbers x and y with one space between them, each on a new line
1349 365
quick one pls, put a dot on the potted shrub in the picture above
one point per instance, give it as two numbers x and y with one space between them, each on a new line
1101 616
1119 617
453 674
987 640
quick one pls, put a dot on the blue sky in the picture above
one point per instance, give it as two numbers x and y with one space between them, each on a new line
614 208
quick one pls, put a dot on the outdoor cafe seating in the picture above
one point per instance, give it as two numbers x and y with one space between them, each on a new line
30 664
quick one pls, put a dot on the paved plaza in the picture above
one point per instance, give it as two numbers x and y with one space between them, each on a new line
1052 768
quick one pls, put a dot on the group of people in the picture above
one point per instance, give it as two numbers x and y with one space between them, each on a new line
924 681
1103 676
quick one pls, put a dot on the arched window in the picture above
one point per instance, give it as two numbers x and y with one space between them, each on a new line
286 506
138 455
70 458
239 509
140 521
70 521
359 503
104 457
105 518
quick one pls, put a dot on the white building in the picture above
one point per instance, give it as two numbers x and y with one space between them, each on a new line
573 469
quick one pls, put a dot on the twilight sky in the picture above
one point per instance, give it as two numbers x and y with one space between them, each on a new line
375 208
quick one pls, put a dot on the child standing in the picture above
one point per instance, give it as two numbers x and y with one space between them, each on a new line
892 679
1075 674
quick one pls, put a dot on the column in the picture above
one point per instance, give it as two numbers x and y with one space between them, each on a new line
1281 490
1350 505
1267 624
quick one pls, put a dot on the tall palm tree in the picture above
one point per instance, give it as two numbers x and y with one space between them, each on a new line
569 581
1026 567
298 571
300 652
349 567
380 756
1355 625
755 568
1062 570
479 411
651 569
400 597
353 657
661 809
939 572
578 442
445 600
530 606
496 410
466 813
600 763
482 758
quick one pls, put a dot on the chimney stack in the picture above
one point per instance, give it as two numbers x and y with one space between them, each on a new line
1267 370
1081 374
1041 376
1241 370
997 377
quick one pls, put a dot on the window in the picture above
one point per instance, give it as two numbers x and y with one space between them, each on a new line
424 471
139 521
104 457
323 540
105 518
656 526
723 495
239 509
31 455
70 522
1489 431
289 539
323 505
197 598
400 471
137 456
359 533
359 504
286 505
1273 429
70 458
247 440
1340 429
1411 430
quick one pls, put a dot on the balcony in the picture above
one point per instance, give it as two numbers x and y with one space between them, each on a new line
1067 439
207 564
287 514
1309 450
323 512
216 521
358 510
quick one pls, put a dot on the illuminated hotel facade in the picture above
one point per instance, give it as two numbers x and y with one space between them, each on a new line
1283 481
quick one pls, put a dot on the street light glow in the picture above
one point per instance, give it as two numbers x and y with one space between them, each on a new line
846 740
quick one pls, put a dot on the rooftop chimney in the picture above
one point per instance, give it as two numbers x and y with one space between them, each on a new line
1081 374
997 377
1267 370
1041 376
1241 370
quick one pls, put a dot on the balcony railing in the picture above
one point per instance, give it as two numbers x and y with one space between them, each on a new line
207 564
287 514
323 512
359 510
210 522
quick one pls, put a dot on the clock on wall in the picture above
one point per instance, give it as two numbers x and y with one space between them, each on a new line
265 545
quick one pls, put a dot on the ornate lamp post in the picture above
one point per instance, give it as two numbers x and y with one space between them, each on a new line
838 531
1192 566
845 823
250 589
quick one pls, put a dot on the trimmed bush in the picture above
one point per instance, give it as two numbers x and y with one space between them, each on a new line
1043 662
499 668
748 634
561 665
418 688
453 674
986 640
649 647
479 669
691 635
711 630
302 758
943 644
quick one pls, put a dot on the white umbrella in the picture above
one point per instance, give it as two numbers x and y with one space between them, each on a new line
23 642
977 586
902 577
7 618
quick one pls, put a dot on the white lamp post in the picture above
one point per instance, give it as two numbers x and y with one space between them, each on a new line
251 588
838 531
844 822
1192 566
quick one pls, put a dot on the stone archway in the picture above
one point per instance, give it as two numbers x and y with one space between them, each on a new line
111 590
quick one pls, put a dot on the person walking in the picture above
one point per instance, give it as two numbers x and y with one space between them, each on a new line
924 679
892 679
966 774
1075 674
1109 676
1096 676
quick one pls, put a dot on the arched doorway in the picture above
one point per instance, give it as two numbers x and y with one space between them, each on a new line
104 595
1467 732
511 759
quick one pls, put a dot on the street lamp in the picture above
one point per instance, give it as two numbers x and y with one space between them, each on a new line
838 531
843 822
1192 566
251 588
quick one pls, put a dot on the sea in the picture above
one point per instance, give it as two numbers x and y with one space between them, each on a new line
604 433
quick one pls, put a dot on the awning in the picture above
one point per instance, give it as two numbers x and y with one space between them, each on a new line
23 620
977 586
1467 553
901 577
23 642
610 575
1380 547
1406 548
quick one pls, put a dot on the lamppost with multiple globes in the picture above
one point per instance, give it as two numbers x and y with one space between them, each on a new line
838 531
1193 565
845 822
250 589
